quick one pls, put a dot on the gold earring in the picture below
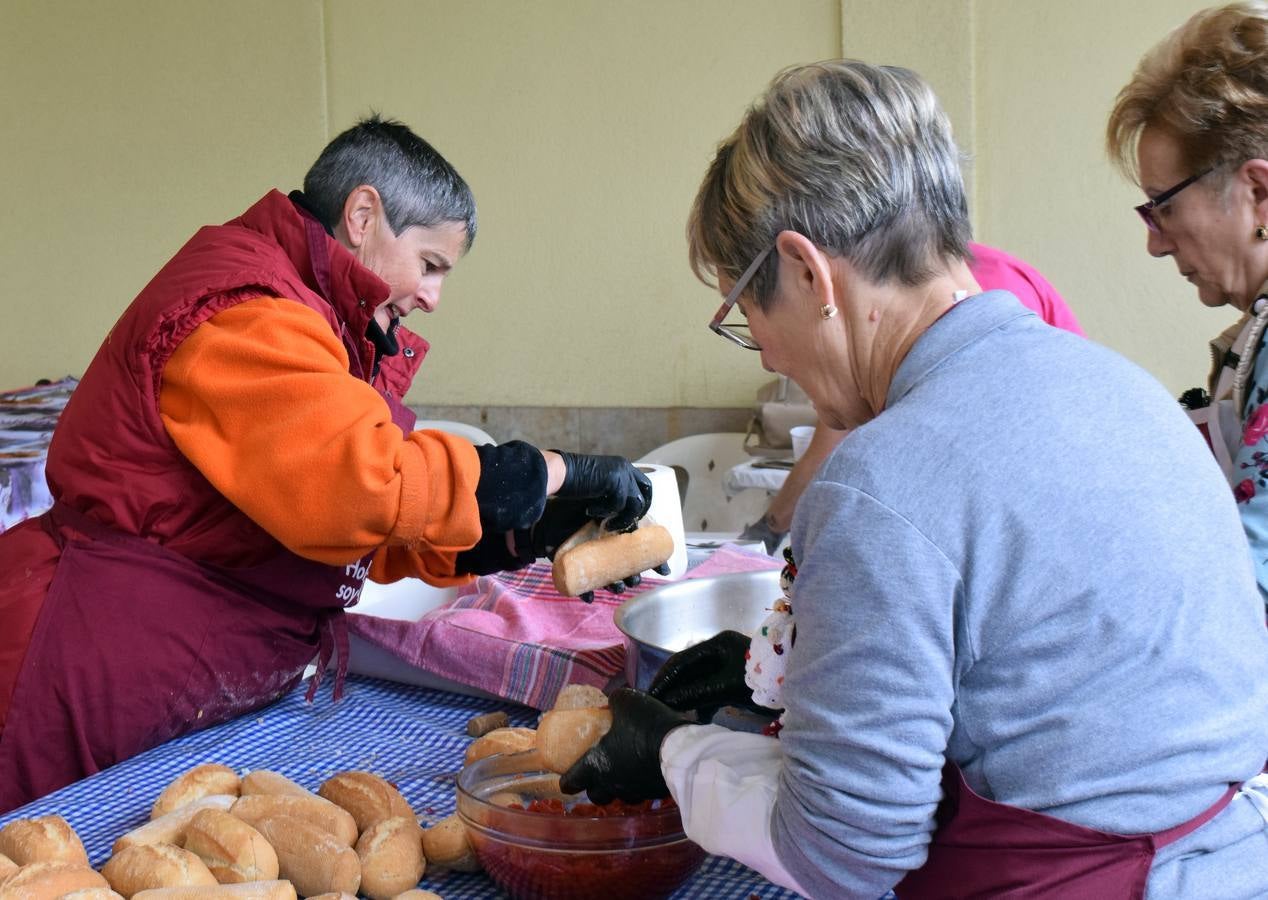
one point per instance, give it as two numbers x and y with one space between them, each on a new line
828 310
1261 232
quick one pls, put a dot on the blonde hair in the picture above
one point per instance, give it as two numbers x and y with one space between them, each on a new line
856 157
1205 84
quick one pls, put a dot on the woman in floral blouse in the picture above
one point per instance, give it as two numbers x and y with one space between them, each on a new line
1191 127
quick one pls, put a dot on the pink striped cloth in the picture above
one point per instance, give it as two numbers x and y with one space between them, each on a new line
514 636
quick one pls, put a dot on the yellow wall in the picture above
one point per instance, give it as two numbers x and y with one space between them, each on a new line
123 127
1047 75
583 126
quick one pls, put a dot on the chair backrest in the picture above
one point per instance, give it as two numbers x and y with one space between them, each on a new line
701 462
475 435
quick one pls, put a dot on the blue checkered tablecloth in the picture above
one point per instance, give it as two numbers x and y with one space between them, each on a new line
412 736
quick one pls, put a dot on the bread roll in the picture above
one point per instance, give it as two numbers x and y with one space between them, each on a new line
594 564
447 846
170 829
479 726
145 866
501 740
417 894
265 781
318 811
198 782
97 893
580 696
312 859
44 839
391 857
564 735
233 850
48 881
7 867
368 798
253 890
334 895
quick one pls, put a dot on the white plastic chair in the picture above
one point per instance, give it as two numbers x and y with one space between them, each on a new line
701 462
475 435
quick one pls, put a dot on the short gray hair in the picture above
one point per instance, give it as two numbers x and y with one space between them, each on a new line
857 158
418 186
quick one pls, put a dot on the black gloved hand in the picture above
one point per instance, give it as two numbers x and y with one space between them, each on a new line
761 530
625 764
707 676
562 519
616 489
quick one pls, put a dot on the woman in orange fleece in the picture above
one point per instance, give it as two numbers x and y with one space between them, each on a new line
237 459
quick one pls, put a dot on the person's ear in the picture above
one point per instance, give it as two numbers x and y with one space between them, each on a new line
362 211
808 269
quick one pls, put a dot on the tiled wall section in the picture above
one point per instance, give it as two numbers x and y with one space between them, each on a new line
628 431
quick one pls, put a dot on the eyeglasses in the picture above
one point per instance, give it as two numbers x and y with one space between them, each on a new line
1146 210
738 333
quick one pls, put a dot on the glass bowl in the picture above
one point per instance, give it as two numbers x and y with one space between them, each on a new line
627 856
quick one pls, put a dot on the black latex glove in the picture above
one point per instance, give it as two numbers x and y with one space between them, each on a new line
562 519
616 490
707 676
625 764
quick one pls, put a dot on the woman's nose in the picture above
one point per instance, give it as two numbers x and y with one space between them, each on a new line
428 293
1158 244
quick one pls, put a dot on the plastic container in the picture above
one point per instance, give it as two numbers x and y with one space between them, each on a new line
801 436
545 856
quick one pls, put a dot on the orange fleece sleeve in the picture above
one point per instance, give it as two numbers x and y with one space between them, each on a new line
260 400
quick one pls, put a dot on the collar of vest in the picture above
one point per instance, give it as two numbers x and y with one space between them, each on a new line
352 290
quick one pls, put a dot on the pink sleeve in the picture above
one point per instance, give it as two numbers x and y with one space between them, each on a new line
995 270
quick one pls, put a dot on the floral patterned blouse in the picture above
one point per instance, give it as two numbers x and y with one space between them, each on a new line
1250 470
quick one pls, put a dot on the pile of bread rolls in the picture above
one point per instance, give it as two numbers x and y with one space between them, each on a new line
213 835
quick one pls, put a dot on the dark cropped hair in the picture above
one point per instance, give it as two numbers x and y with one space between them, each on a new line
418 186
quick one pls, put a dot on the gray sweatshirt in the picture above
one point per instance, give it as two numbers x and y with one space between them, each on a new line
1031 565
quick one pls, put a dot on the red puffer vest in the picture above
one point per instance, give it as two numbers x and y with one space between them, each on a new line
111 432
161 608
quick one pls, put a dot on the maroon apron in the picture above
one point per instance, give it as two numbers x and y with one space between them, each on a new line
984 849
136 644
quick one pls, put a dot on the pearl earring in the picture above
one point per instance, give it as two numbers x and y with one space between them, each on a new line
828 310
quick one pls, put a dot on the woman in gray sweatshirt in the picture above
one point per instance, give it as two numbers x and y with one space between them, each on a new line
1030 653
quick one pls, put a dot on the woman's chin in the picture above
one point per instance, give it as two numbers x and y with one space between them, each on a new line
1213 297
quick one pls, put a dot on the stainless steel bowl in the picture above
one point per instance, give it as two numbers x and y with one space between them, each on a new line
674 617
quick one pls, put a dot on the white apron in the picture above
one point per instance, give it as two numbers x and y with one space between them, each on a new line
1232 366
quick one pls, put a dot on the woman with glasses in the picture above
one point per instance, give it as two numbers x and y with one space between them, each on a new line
1010 674
1191 127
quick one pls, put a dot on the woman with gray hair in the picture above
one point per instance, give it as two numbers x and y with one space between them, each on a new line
1008 672
1191 127
238 459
